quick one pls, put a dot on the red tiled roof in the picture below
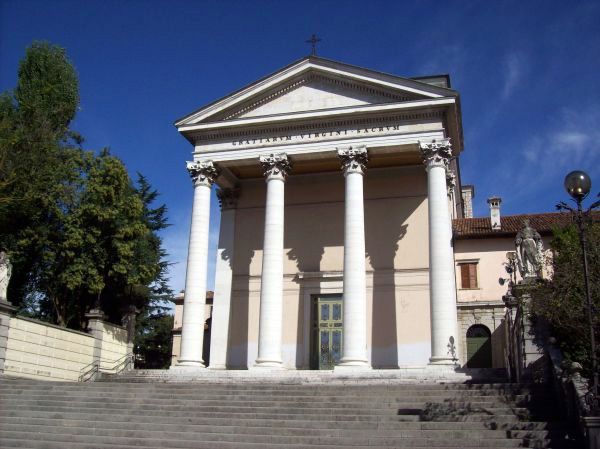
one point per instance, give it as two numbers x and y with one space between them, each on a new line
468 228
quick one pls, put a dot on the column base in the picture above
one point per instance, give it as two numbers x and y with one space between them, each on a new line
352 365
267 365
190 364
439 360
217 367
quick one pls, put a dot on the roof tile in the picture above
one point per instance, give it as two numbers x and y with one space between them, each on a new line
468 228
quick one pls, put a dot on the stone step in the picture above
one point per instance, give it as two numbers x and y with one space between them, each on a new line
265 407
27 425
340 403
25 444
265 389
290 413
349 416
272 385
167 440
250 395
377 422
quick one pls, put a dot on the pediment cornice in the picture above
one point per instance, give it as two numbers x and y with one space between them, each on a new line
385 88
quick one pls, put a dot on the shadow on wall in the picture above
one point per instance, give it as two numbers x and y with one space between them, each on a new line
237 346
308 231
384 228
307 245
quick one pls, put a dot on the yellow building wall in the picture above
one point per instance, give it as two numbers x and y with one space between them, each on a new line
43 351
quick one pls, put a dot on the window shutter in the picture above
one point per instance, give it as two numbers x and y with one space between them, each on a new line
473 275
464 276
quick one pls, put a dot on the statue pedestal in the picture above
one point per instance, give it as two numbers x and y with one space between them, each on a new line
527 343
7 310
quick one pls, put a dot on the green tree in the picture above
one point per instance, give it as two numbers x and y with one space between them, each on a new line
79 233
152 344
40 161
561 301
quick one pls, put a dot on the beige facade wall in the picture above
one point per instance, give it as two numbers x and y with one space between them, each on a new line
43 351
396 233
483 305
489 254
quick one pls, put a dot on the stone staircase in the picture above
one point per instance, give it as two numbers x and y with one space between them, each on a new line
139 411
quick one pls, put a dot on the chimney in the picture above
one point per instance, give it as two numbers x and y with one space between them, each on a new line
494 202
468 193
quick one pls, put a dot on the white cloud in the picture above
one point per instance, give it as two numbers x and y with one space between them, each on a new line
529 178
514 68
574 140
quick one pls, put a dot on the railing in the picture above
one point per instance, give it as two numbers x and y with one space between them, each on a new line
570 388
91 371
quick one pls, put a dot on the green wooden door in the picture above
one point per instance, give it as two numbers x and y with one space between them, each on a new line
329 328
479 347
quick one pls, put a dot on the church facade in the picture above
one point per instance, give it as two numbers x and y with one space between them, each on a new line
338 186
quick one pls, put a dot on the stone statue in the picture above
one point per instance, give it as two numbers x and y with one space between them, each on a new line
5 272
529 248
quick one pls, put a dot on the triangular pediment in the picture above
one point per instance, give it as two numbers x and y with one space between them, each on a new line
314 84
313 92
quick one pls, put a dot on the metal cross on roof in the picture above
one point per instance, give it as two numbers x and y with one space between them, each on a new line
313 40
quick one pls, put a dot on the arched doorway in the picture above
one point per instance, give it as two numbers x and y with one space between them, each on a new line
479 347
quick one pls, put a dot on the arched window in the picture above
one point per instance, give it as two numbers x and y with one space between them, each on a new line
479 347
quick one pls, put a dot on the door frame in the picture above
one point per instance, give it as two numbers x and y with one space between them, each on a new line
314 316
317 283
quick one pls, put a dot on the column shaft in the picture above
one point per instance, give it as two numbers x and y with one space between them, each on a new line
192 329
271 290
442 285
354 351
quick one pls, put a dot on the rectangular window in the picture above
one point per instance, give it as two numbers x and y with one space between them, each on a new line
468 275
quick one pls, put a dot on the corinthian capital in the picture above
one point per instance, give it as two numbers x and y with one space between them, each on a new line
275 165
354 159
436 153
202 172
228 198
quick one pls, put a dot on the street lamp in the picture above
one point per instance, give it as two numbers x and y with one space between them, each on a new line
578 184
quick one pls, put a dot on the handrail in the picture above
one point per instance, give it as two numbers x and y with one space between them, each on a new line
90 371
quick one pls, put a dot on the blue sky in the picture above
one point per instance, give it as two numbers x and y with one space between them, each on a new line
527 72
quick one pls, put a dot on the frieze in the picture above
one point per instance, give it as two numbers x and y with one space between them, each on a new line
311 132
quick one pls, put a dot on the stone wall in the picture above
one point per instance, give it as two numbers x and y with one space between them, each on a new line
40 350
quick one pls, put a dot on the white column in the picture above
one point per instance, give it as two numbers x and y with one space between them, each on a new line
203 174
354 350
223 280
276 167
442 287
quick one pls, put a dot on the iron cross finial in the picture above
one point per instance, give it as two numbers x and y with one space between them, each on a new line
313 41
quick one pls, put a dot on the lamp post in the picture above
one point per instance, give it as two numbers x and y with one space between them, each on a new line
578 184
